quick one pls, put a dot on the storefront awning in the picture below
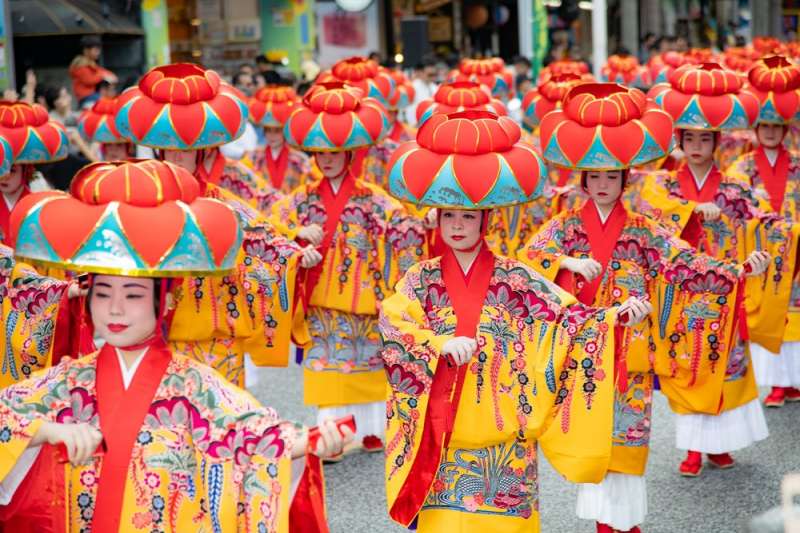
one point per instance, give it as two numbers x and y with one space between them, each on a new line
36 18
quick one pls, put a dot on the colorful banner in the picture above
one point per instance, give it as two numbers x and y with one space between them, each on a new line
6 48
156 32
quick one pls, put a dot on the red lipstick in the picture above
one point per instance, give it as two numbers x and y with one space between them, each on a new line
117 328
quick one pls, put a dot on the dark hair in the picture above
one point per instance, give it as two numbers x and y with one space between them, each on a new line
302 88
51 94
261 59
624 174
102 84
522 59
237 77
91 41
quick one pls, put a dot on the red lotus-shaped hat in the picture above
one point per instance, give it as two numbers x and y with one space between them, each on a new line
706 97
365 74
739 59
334 117
766 45
549 94
33 137
272 105
563 66
133 218
662 66
793 50
459 96
490 72
466 160
775 81
696 56
97 123
605 126
181 107
625 69
403 90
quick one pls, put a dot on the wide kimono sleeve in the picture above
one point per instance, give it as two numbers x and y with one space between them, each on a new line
685 341
404 245
254 303
647 193
24 407
571 388
545 250
32 307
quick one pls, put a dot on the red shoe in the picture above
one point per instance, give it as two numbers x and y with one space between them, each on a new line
692 465
605 528
776 397
792 394
721 460
372 443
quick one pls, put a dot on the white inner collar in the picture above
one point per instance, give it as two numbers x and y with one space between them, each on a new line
701 181
12 199
603 217
275 151
772 155
129 371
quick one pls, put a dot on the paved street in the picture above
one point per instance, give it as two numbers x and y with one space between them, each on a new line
717 502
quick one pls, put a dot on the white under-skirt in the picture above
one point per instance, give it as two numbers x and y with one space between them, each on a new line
777 370
620 501
727 432
370 417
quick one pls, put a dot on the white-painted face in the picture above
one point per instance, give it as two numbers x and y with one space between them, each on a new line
460 228
123 309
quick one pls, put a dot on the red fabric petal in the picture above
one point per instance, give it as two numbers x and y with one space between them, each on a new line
138 224
188 121
466 167
337 127
675 103
228 112
50 134
574 140
141 115
218 224
66 223
300 123
717 108
419 168
624 142
525 166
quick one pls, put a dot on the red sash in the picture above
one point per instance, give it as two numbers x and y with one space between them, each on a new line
307 510
334 204
773 178
276 168
603 237
689 186
5 217
467 294
122 413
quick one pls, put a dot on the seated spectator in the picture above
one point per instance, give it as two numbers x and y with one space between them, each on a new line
85 72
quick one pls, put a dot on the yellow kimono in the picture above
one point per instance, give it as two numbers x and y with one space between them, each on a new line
208 457
741 229
218 319
685 341
543 374
746 170
373 243
297 169
30 304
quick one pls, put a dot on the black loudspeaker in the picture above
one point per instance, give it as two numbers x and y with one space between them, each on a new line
414 34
